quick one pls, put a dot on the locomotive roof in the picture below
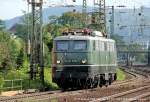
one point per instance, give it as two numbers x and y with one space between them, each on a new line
72 37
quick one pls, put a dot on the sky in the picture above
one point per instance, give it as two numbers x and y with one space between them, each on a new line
12 8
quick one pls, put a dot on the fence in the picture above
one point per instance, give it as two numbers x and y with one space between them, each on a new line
12 84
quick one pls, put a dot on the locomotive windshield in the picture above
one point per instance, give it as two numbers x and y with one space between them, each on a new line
62 45
79 45
68 45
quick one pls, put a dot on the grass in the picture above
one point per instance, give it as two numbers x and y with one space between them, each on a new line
120 75
48 78
27 83
21 74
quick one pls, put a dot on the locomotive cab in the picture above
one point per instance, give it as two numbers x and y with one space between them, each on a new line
70 58
83 61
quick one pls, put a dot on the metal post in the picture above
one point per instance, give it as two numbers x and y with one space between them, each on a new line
84 11
36 40
149 53
112 22
127 64
100 16
41 59
21 84
12 84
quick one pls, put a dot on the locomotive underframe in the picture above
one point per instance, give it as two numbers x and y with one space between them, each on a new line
82 76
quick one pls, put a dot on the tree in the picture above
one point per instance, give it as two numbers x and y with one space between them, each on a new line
10 47
140 57
47 36
21 31
1 82
24 27
73 19
4 50
20 58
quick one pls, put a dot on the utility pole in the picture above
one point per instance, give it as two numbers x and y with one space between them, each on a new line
84 11
36 39
149 53
100 16
112 21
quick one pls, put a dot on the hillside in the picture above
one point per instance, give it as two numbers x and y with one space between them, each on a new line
127 21
46 13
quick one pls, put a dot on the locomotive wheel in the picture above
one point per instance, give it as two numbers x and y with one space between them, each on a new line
63 88
115 76
72 84
84 84
95 83
100 85
89 83
106 83
101 81
110 81
80 84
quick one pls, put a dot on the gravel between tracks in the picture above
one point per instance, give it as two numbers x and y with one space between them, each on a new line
84 95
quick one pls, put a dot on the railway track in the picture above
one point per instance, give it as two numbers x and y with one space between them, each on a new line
62 96
2 99
126 96
141 93
135 78
143 97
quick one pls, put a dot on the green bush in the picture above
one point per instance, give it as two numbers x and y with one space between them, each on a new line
27 83
1 83
48 79
120 74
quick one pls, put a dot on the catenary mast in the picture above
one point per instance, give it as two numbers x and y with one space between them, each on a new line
36 40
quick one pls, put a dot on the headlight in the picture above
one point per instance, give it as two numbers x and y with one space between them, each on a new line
84 61
58 61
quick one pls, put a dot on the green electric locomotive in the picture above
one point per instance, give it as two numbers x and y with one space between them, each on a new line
83 60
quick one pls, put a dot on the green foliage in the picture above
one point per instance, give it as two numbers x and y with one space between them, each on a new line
120 74
20 58
139 57
27 83
21 31
47 56
4 36
1 81
48 78
74 19
13 74
5 60
16 49
10 48
60 24
24 27
48 40
25 64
